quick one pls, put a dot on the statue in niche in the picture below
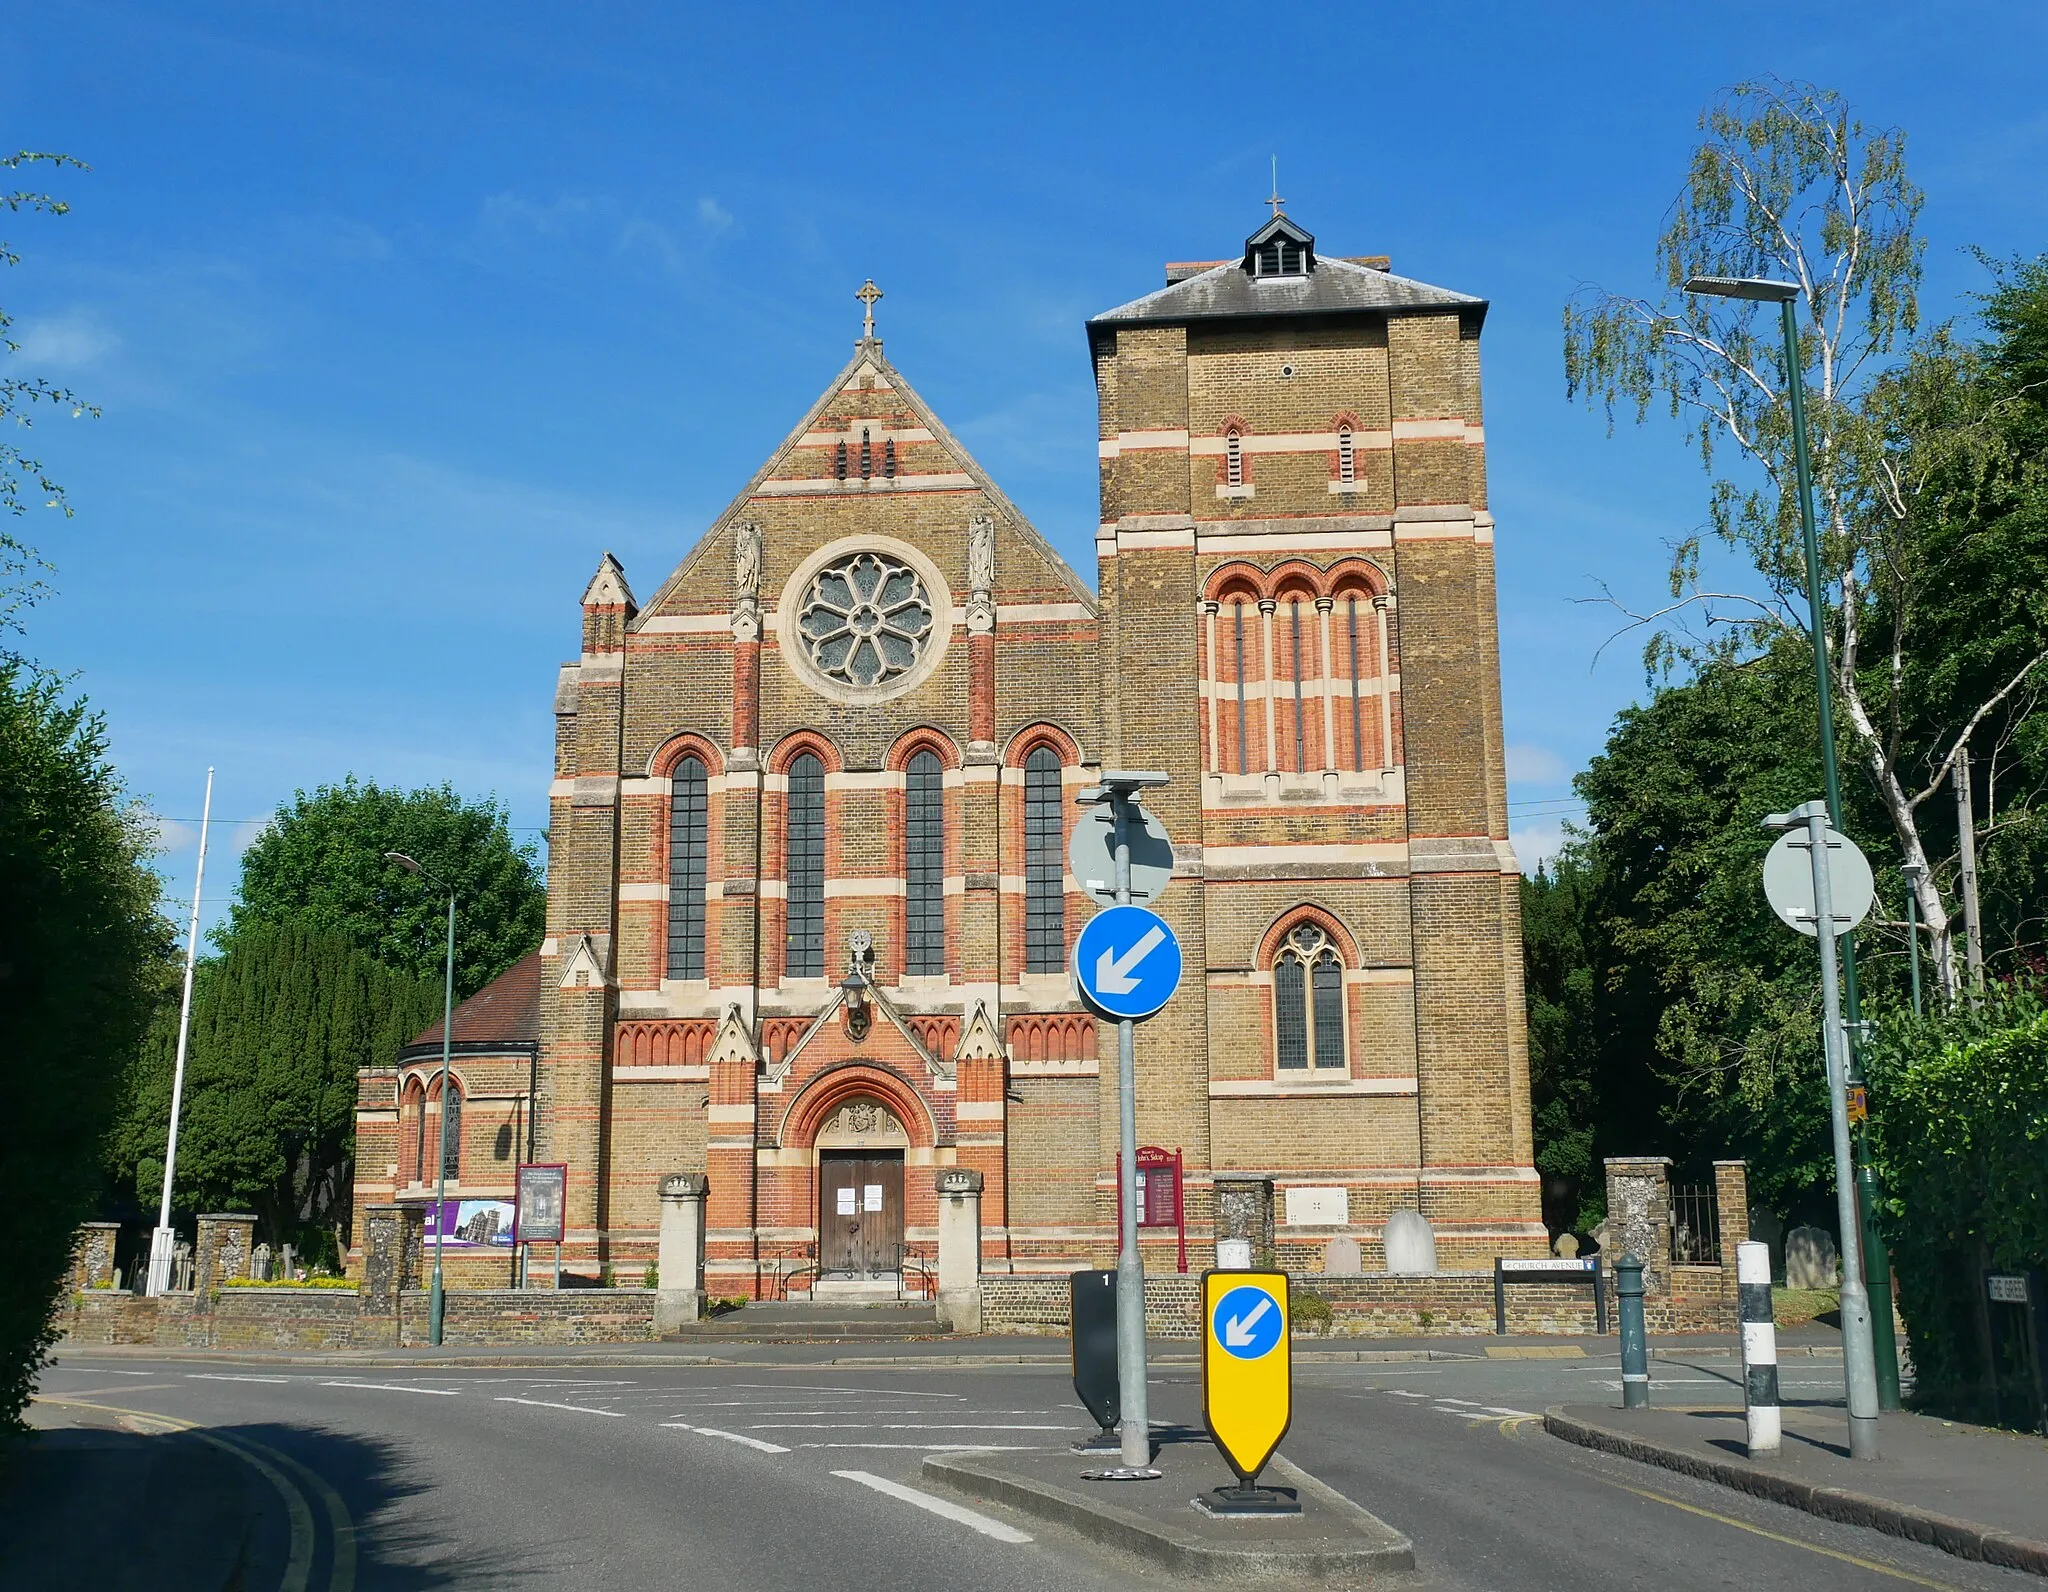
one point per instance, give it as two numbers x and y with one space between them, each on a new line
981 554
746 559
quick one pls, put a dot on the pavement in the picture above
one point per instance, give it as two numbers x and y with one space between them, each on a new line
783 1472
1972 1491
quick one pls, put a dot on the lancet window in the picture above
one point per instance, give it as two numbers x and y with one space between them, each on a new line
804 869
924 865
687 835
1308 1002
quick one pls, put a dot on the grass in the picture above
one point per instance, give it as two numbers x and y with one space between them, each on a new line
1792 1307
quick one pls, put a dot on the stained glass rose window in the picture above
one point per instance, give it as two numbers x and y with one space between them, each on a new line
865 620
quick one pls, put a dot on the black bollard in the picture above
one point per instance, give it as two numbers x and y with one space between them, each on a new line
1635 1345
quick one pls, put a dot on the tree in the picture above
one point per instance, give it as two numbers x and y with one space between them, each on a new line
19 394
321 861
1788 183
281 1022
1561 973
84 960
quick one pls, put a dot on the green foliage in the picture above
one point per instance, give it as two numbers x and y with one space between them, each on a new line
84 959
651 1277
1309 1311
18 395
322 860
331 1283
280 1024
1959 1136
1561 980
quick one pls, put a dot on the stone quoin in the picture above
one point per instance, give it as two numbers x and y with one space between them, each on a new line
809 908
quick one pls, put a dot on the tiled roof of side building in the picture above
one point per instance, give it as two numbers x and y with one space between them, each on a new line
505 1011
1334 287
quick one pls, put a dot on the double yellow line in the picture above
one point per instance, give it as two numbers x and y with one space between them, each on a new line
279 1469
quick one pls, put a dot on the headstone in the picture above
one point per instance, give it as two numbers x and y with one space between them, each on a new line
1410 1243
1768 1227
1810 1259
1342 1259
259 1266
291 1261
1600 1236
1566 1247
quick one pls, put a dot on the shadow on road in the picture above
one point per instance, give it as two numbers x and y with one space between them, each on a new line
94 1499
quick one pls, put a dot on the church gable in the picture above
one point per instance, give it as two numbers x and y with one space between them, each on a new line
869 458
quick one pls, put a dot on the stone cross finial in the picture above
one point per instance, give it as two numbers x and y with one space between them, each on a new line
1274 198
868 295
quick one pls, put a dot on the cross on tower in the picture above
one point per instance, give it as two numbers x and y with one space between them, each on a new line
1274 198
868 294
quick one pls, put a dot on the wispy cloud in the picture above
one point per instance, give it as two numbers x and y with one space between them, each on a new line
1536 765
597 223
714 215
1536 843
73 340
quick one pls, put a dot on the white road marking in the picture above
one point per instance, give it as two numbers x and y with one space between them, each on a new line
222 1376
396 1387
543 1404
865 1392
1443 1398
932 1448
730 1437
1406 1393
121 1373
905 1426
942 1507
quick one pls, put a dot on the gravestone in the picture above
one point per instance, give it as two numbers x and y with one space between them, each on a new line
259 1267
1768 1227
1410 1243
291 1262
1810 1259
1566 1247
1600 1236
1342 1259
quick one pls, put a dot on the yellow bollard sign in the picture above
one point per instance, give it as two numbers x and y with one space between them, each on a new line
1247 1366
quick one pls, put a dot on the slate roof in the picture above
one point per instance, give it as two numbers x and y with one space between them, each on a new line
505 1011
1334 287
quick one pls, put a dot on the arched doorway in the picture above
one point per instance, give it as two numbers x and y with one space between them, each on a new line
860 1149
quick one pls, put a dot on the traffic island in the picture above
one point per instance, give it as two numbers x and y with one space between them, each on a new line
1331 1542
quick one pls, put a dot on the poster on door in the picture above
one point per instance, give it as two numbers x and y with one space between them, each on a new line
870 1196
845 1206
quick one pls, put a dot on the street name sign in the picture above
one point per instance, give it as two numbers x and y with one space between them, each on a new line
1788 881
1091 854
1247 1366
1127 962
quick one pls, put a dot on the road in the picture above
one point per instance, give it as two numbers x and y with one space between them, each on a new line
807 1477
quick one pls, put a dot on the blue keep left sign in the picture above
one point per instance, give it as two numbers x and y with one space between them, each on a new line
1127 962
1248 1321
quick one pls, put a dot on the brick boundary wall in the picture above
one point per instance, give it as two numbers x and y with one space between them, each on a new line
1449 1303
320 1319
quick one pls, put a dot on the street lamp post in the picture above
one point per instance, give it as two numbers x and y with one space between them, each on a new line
1913 872
1785 295
435 1296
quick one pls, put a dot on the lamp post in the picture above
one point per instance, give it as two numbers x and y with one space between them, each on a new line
1763 290
435 1295
1912 872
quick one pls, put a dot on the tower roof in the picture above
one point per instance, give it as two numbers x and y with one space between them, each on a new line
1306 284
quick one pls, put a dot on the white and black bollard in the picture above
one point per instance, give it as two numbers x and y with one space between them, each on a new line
1759 1347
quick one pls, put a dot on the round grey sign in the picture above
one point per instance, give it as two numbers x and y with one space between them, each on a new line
1091 854
1788 881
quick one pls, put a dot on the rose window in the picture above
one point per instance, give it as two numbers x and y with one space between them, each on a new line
865 620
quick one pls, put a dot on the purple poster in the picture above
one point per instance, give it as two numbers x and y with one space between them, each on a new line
470 1224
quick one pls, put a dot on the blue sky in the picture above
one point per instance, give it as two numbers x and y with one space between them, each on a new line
400 316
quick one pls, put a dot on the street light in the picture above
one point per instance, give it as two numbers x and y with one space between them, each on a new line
1913 873
1763 290
435 1296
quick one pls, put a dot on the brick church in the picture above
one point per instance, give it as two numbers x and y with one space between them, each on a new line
810 910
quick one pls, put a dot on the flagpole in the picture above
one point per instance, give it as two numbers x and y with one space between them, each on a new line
165 1236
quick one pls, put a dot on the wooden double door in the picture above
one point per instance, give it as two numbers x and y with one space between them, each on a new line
860 1213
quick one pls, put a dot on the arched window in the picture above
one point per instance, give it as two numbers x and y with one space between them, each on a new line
924 865
1357 673
1233 458
1297 661
1243 712
1045 916
1347 458
686 864
1308 1001
451 1132
413 1150
804 869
